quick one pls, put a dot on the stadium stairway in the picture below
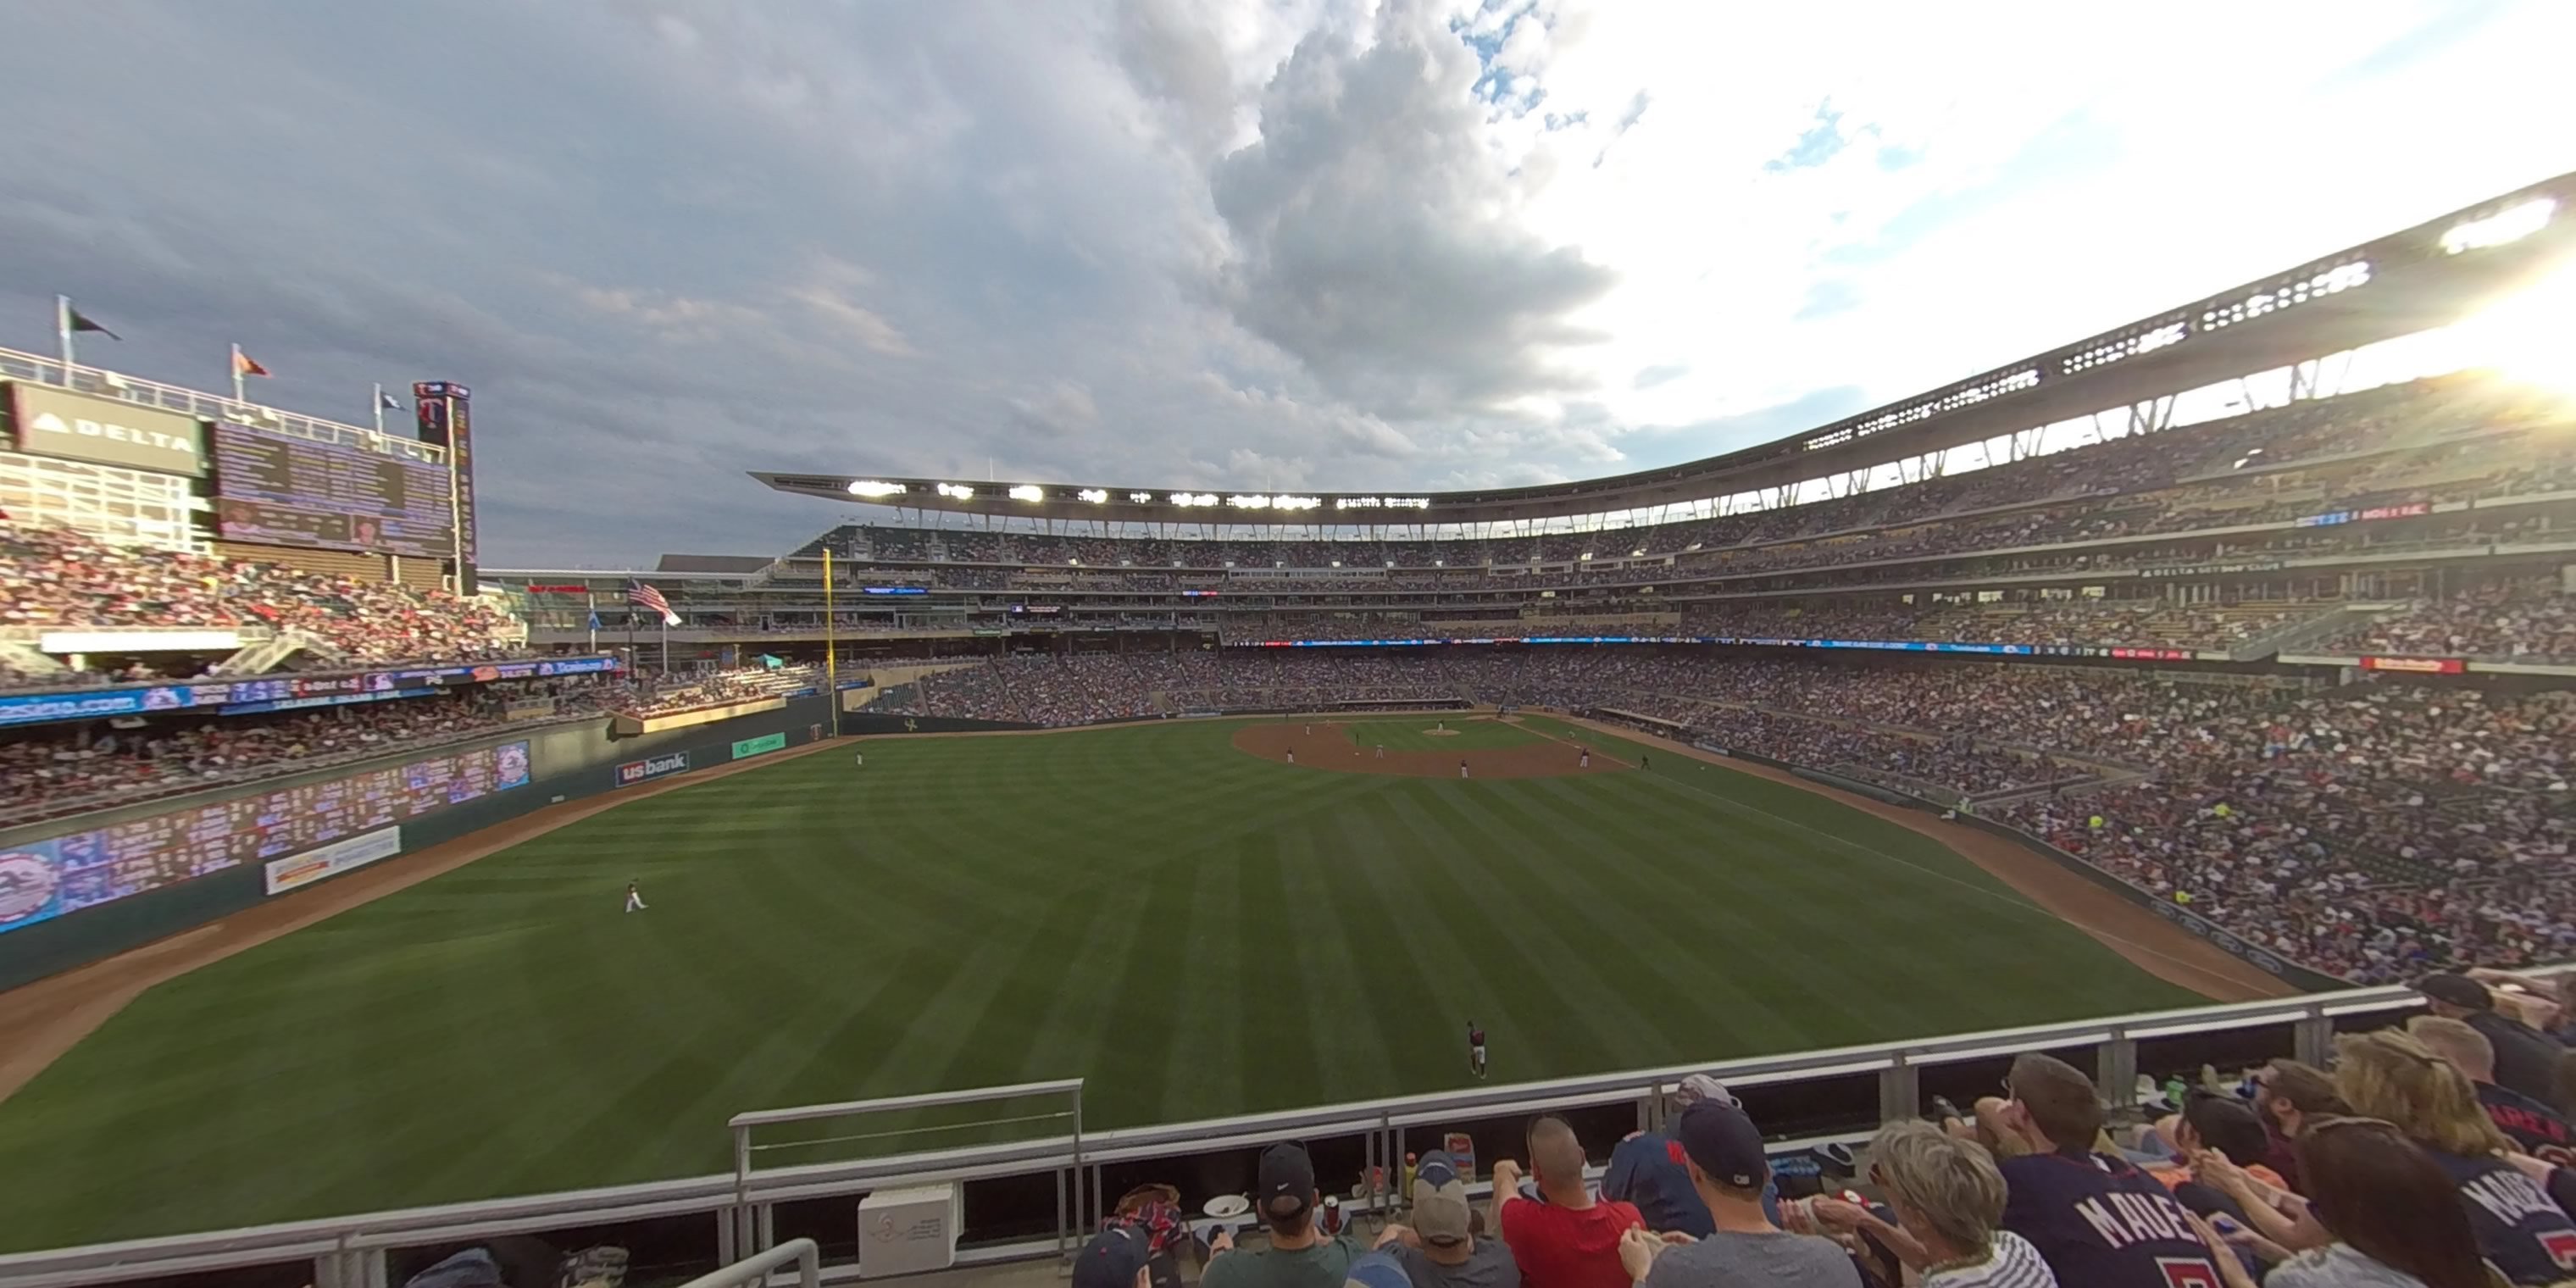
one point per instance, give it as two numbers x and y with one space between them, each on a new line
2308 630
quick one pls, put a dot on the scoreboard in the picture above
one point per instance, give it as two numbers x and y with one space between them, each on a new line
283 491
67 873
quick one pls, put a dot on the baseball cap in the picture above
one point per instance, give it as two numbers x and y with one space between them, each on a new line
1286 1180
1724 1143
1111 1259
2458 990
1376 1270
1699 1087
1439 1202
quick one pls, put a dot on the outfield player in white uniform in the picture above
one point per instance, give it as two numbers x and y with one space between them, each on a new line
1462 769
862 761
634 898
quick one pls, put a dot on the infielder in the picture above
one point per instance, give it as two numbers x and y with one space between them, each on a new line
634 898
1586 761
1475 1049
1462 769
1292 755
1381 751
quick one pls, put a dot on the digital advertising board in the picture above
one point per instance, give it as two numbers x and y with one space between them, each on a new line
64 874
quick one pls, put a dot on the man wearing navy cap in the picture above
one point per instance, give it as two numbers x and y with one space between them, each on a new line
1299 1255
1722 1150
1647 1168
1114 1259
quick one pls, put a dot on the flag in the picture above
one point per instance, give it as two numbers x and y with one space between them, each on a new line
246 365
650 597
73 320
386 401
594 623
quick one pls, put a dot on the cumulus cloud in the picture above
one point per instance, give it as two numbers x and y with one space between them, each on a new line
1364 244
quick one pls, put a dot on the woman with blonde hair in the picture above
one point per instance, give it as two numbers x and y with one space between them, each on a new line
2390 1076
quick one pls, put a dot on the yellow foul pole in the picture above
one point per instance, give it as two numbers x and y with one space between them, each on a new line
831 648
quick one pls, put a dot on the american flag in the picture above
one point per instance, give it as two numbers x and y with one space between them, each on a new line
651 597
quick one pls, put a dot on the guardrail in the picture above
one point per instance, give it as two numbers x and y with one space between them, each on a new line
349 1252
39 369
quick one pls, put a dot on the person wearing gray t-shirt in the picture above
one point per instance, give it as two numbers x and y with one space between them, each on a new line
1440 1249
1722 1151
1745 1259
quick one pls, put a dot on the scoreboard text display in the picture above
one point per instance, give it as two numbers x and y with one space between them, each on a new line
282 491
65 874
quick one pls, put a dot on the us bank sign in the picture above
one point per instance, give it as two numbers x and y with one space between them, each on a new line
57 422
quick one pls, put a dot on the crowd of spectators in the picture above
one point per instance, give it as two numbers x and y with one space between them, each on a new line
2529 620
662 693
56 578
56 769
2428 1156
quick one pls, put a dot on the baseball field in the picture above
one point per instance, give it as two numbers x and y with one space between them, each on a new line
1168 910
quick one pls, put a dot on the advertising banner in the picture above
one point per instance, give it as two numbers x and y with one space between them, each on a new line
2415 665
96 704
652 767
750 747
78 427
331 860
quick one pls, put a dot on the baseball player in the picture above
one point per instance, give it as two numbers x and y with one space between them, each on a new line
1292 755
862 761
1309 729
1381 751
1462 769
634 898
1586 761
1475 1049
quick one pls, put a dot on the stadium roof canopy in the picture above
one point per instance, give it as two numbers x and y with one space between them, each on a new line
2424 277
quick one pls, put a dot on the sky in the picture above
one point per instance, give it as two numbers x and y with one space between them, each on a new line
1398 245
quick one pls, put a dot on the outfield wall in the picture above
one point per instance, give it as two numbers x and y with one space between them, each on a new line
122 878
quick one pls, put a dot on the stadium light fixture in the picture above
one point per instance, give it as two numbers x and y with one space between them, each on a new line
1251 502
2511 224
1141 498
876 487
1027 492
1094 495
957 491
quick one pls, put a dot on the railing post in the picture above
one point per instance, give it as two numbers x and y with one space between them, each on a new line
2115 1067
2312 1038
1900 1090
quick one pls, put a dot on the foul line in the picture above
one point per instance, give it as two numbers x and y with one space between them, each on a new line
2017 901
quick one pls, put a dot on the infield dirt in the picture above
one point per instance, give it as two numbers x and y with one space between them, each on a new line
1327 748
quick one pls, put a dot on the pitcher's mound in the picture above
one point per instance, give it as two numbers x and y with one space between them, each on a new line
1328 748
1439 733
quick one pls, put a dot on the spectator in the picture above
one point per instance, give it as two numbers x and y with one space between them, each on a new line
1564 1238
2391 1076
2287 1096
1115 1258
2212 1122
1650 1169
1440 1249
1723 1153
2390 1211
1948 1197
2526 1060
2096 1220
1299 1255
2536 1129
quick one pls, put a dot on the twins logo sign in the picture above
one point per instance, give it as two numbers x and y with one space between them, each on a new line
636 771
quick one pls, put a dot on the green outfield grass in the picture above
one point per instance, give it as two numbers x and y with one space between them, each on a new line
1196 931
1420 733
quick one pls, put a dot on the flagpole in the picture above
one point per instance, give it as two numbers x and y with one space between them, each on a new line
63 328
379 405
666 644
238 395
589 600
831 654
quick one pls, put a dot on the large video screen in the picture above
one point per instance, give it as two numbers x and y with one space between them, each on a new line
283 491
77 870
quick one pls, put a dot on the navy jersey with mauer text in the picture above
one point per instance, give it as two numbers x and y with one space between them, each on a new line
2519 1229
2101 1223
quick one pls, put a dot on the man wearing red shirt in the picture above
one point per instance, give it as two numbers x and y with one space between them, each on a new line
1565 1238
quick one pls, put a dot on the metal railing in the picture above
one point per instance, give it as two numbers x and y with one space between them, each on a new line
349 1252
39 369
802 1253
